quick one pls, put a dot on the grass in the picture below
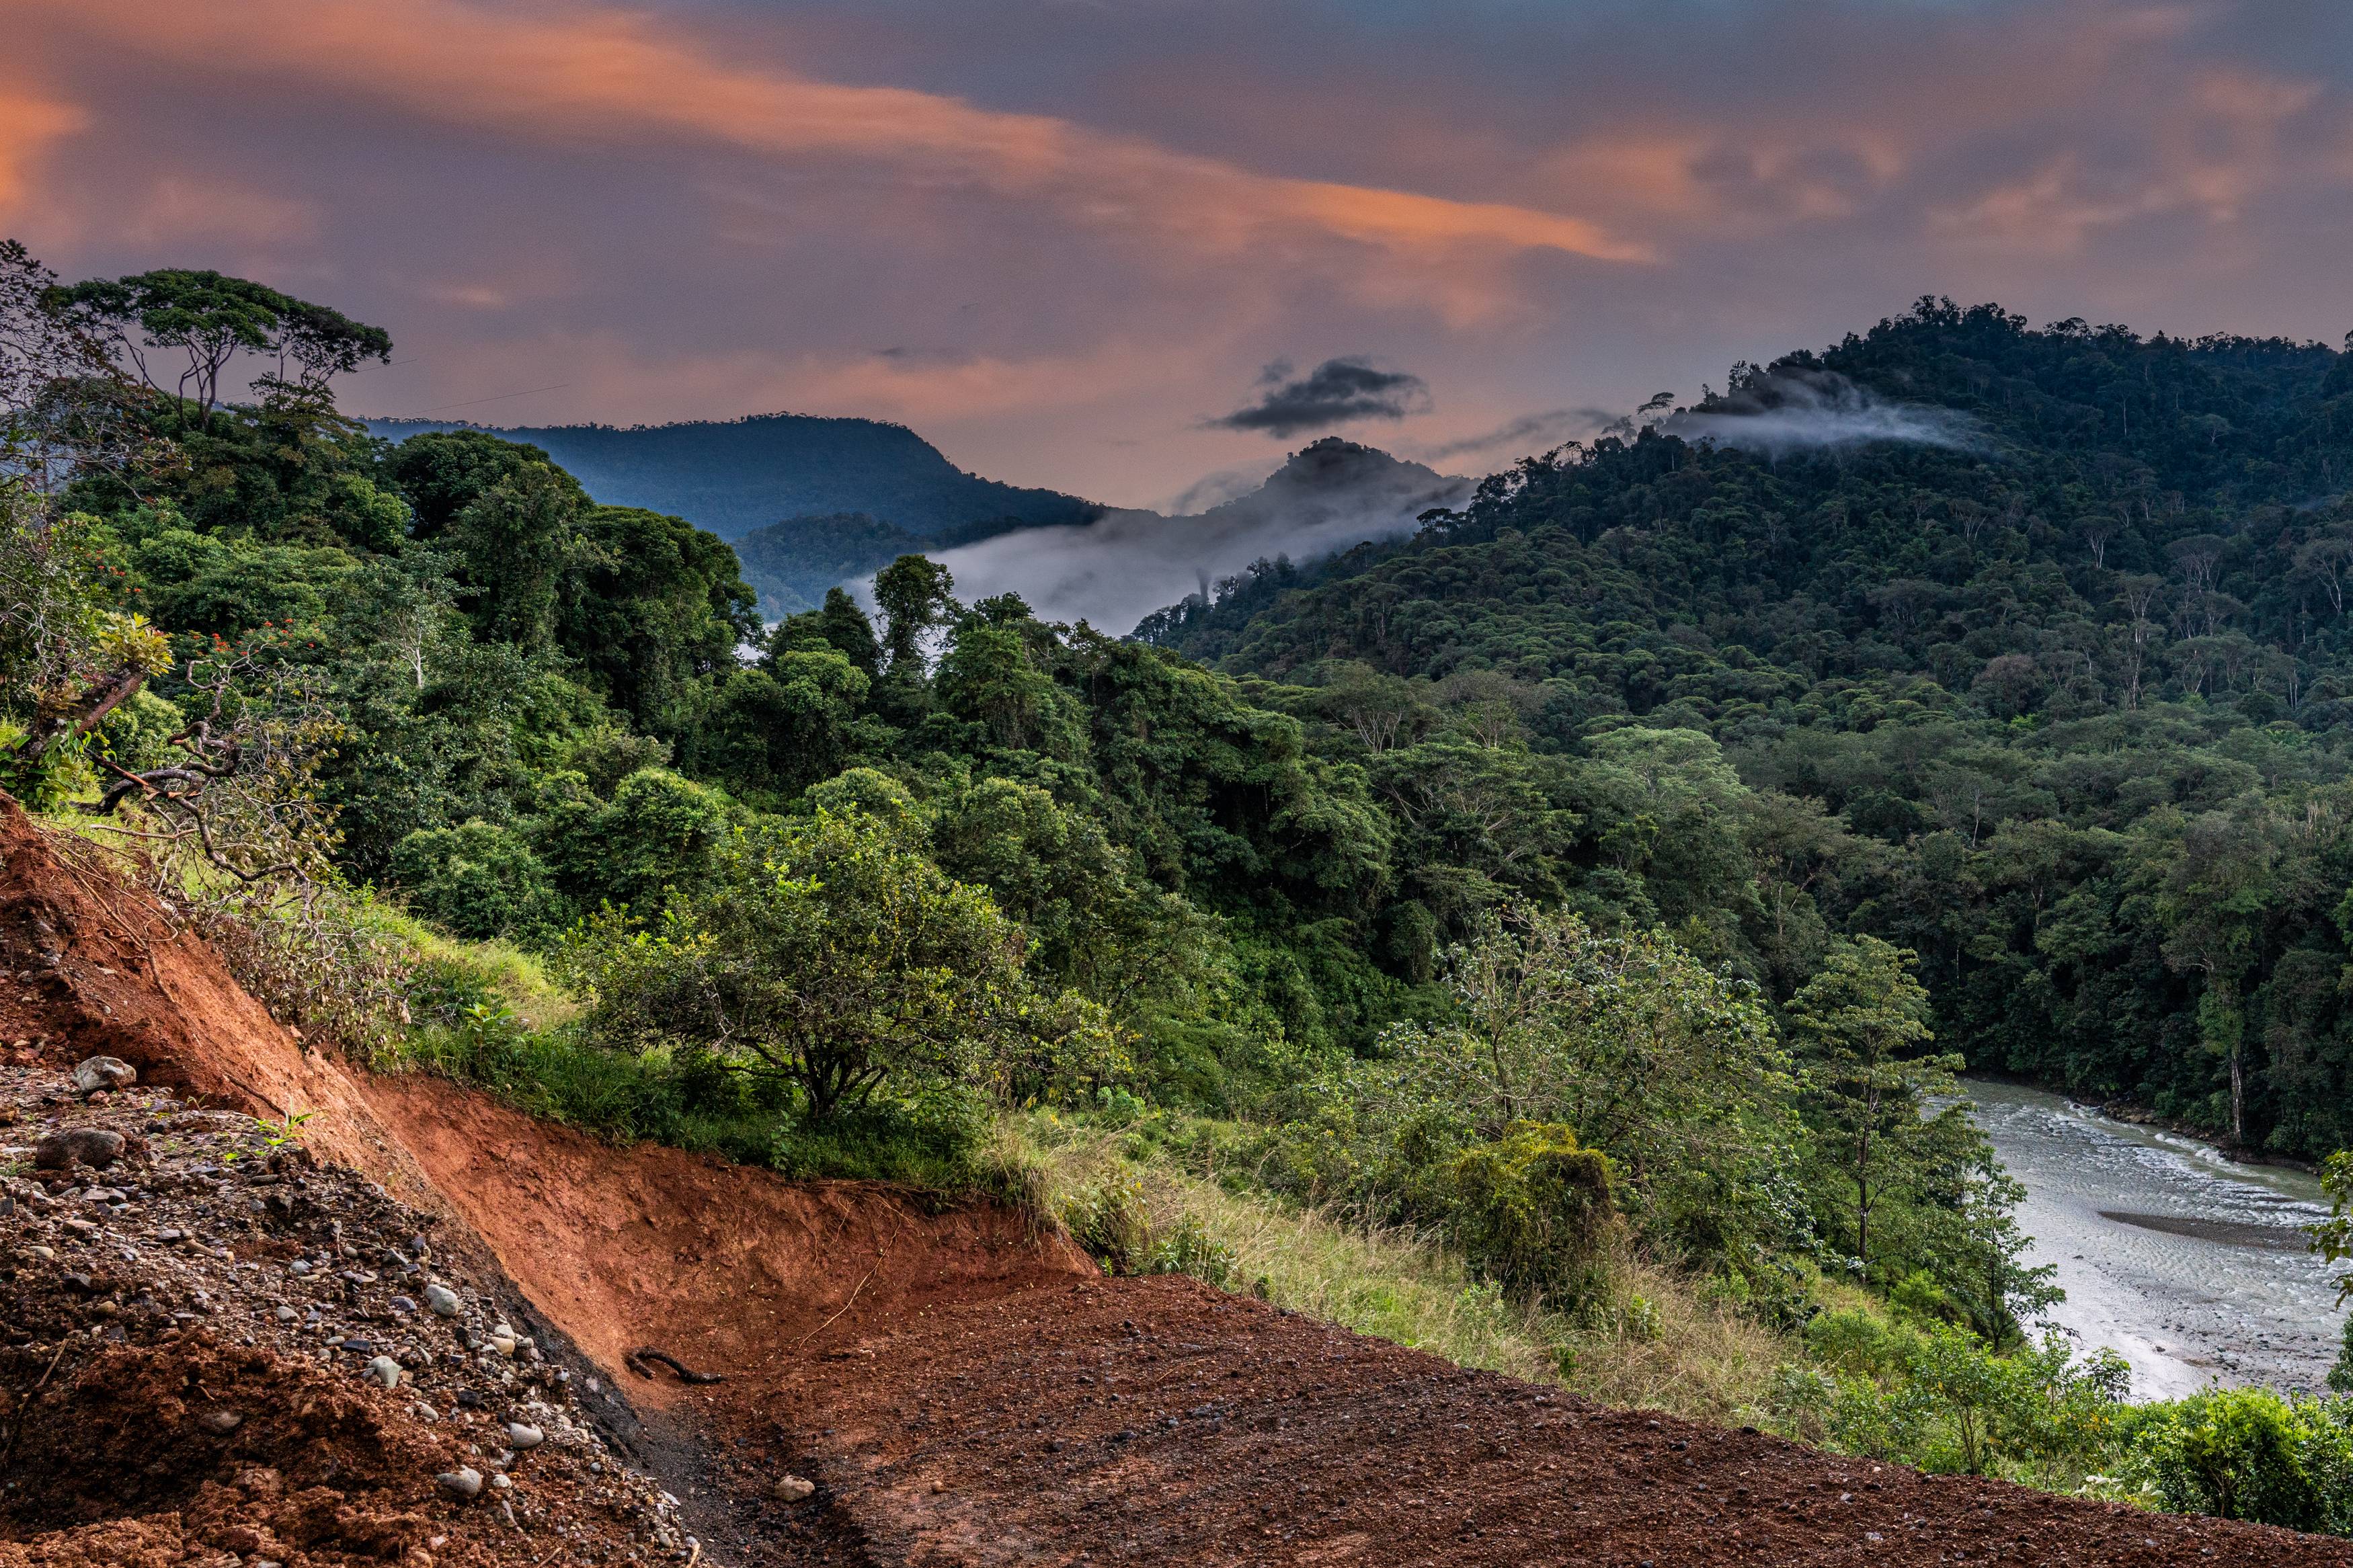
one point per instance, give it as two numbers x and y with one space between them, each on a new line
1650 1343
517 979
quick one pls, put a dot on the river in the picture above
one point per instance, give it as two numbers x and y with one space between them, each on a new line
2191 1267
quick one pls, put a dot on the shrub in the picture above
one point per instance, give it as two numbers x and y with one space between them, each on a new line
1189 1249
1534 1208
2247 1453
831 953
933 1138
479 881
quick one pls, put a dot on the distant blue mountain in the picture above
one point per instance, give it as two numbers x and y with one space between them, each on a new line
739 475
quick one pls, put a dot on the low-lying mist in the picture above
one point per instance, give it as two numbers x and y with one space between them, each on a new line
1111 573
1792 408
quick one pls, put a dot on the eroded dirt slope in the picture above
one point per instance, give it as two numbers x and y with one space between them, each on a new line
214 1348
719 1264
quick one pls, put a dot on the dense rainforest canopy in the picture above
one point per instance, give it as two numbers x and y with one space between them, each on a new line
2058 693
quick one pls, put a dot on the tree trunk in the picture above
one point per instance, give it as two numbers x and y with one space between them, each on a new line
95 705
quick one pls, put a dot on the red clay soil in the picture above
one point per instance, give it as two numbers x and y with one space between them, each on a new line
1160 1421
95 968
723 1266
966 1392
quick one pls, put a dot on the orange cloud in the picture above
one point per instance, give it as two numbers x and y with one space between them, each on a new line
596 77
178 209
28 123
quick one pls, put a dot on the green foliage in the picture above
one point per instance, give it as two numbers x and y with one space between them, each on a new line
210 319
831 951
1929 1393
1533 1209
1880 1154
1109 1220
479 881
1669 1070
2247 1453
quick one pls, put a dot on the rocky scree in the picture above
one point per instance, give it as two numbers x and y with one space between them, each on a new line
216 1351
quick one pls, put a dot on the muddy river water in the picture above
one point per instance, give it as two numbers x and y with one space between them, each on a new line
2191 1267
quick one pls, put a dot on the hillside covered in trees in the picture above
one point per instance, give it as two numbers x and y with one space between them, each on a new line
2056 691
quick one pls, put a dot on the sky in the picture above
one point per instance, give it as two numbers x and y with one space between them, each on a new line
1138 249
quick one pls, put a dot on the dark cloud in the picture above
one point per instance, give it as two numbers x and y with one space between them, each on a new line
1334 392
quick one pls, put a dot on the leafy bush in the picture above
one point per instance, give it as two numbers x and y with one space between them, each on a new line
479 881
1933 1395
832 953
1534 1208
2247 1453
1188 1248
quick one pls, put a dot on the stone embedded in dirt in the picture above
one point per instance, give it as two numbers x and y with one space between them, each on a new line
92 1146
97 1074
522 1437
383 1371
221 1423
461 1484
793 1489
442 1300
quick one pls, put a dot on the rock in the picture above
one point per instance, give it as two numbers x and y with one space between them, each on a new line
286 1314
522 1438
298 1268
461 1484
92 1146
100 1073
401 1304
502 1483
442 1300
221 1423
793 1489
383 1371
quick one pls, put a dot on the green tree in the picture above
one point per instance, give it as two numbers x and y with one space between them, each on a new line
839 624
515 542
1671 1070
915 594
1860 1032
212 318
834 952
653 607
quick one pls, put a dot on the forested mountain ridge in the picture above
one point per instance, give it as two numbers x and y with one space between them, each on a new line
2059 699
737 475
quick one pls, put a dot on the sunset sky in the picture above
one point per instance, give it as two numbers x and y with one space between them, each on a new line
1066 239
